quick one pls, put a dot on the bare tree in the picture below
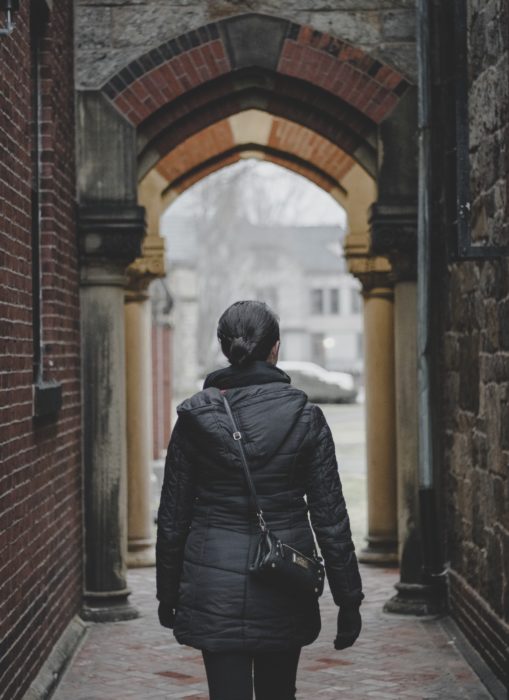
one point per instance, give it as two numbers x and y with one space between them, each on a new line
221 206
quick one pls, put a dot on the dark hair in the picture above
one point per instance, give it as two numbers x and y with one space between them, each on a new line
247 331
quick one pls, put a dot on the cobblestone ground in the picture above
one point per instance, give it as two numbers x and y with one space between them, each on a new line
395 657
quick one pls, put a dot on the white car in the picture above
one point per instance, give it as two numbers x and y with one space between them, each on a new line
321 385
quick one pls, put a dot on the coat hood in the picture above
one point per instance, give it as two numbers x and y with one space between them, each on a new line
265 406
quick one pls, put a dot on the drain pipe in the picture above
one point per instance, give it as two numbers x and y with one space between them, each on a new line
427 491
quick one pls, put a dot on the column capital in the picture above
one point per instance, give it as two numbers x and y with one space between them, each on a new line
374 271
149 266
110 232
394 234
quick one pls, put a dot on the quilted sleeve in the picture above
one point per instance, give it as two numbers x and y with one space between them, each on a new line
174 516
329 516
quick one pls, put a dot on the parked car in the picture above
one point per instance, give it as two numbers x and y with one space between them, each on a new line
320 384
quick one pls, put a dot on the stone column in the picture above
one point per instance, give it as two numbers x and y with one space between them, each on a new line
409 598
110 238
379 378
138 323
394 232
375 274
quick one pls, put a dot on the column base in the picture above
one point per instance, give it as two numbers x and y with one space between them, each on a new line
415 599
111 606
141 553
379 552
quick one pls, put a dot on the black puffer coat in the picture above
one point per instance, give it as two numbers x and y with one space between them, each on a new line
207 532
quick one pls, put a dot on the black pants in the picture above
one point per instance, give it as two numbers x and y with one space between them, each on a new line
230 675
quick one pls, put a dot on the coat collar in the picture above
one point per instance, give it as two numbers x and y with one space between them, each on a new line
257 372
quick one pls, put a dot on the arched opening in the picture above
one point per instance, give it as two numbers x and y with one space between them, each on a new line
257 230
310 102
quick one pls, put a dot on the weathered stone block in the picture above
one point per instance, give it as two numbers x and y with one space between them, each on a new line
95 27
469 372
491 328
479 450
399 25
242 39
490 280
451 351
503 317
493 585
504 427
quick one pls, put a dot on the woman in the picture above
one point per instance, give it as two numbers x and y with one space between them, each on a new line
207 530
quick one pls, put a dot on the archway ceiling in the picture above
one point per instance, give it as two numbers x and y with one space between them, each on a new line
255 133
307 76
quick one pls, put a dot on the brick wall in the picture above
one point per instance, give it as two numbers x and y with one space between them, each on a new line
40 461
475 359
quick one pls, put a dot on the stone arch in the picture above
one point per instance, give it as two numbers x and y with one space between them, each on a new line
361 107
256 134
287 98
197 78
199 56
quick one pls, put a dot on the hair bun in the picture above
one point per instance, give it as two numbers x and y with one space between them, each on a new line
247 331
240 351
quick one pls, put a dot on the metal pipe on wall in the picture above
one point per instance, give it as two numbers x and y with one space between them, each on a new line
427 487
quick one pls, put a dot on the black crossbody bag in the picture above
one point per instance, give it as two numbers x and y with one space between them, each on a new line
276 562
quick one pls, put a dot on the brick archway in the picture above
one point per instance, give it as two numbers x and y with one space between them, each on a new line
331 105
256 134
204 76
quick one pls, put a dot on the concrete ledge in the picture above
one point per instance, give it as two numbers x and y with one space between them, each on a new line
486 631
47 679
493 684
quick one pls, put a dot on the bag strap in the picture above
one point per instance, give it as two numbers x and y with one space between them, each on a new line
237 436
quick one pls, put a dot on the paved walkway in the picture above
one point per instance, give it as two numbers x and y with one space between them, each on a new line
395 657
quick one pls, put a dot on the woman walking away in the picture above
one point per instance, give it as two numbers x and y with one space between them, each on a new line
250 425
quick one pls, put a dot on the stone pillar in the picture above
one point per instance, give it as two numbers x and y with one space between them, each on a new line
409 590
394 232
138 323
141 543
380 425
375 274
109 239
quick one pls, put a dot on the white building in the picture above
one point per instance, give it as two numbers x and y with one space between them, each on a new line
298 270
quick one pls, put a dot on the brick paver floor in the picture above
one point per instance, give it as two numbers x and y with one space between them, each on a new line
395 657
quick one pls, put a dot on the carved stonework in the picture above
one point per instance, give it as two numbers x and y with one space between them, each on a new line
110 232
148 267
394 234
372 271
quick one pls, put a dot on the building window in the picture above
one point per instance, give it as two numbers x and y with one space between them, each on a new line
355 301
335 307
317 301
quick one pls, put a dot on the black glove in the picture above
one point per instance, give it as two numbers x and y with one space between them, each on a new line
166 615
349 627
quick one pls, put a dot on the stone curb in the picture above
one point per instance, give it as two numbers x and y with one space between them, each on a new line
47 679
491 682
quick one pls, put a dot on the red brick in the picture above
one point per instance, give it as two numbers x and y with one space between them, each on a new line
40 465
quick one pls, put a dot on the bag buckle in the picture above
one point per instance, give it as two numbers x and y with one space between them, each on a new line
261 521
237 435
